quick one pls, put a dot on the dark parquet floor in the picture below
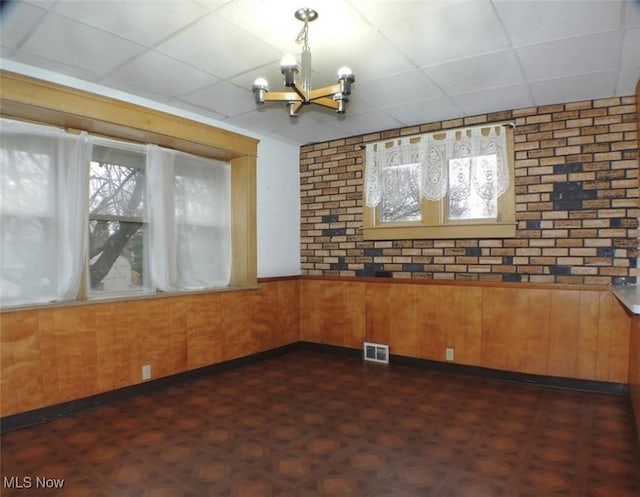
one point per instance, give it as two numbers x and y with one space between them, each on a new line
311 424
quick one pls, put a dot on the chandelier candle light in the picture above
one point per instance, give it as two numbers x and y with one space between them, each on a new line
334 96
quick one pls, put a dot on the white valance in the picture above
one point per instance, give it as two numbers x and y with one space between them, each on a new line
482 151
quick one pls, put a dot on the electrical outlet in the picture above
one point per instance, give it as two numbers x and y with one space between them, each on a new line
449 354
146 372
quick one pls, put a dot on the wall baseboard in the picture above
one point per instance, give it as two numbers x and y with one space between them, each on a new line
496 374
50 413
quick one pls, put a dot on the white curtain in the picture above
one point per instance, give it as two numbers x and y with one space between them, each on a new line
43 213
433 152
160 213
189 202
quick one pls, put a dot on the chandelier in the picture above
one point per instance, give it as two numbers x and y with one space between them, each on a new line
333 96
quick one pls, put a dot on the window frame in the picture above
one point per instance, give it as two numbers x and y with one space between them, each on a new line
42 102
435 224
146 288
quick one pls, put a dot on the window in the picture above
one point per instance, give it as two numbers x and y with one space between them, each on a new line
155 218
50 104
159 219
450 184
118 228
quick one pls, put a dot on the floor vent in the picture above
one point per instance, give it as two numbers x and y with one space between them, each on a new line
376 352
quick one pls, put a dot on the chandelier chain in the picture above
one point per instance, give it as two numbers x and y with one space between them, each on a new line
303 37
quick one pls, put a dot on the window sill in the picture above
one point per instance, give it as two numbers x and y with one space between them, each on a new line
123 298
450 231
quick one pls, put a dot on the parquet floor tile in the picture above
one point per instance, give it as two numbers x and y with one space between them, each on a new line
311 424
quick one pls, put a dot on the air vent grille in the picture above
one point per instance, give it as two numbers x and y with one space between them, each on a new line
376 352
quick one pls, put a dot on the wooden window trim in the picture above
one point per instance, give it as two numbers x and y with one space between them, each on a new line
28 99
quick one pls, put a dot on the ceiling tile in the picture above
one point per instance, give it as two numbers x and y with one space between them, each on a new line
223 98
18 21
313 133
267 118
473 55
384 12
631 15
574 88
398 89
555 19
568 56
275 21
369 122
631 47
44 4
34 61
368 54
79 45
145 22
207 45
461 29
127 88
477 73
162 75
627 80
196 110
435 109
494 100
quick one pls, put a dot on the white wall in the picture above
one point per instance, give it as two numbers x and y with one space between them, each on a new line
278 179
278 208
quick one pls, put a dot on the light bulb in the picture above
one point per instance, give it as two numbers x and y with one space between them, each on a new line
345 73
260 87
288 61
289 68
260 84
345 78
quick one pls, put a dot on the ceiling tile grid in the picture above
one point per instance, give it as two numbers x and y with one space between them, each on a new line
415 61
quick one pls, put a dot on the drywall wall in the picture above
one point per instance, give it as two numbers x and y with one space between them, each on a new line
278 209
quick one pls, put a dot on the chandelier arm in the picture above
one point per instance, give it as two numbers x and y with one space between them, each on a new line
300 91
282 96
325 91
295 107
327 102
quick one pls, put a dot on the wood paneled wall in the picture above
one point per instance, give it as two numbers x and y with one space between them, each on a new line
53 355
59 354
563 331
634 370
634 344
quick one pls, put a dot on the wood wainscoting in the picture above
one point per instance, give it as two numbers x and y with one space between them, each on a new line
634 343
554 330
58 354
634 370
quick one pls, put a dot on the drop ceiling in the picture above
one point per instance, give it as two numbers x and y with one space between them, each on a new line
414 61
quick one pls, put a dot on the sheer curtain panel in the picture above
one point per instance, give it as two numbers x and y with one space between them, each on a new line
189 202
43 213
480 151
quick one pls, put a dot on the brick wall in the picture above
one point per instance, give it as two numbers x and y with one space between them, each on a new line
576 176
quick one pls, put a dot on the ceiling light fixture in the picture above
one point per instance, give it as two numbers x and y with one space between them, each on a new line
334 96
